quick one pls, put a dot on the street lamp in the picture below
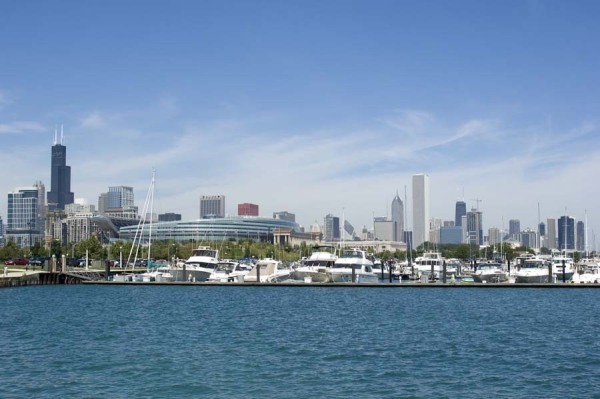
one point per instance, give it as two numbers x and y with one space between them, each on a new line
29 232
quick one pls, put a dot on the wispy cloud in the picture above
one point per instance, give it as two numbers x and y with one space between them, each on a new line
93 120
21 127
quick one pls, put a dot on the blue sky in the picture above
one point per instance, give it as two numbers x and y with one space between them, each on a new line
309 106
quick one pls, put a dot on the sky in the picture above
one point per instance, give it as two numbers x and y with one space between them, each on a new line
311 107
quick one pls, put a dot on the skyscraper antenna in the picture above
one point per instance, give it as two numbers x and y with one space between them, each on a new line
62 136
55 133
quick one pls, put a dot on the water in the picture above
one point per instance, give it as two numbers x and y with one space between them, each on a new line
298 342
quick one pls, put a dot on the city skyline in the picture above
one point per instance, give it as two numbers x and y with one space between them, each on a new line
496 99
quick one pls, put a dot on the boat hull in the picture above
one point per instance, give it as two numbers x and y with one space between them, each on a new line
314 275
531 278
490 277
190 275
346 277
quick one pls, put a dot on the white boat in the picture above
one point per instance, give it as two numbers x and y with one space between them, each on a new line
271 271
532 270
161 274
356 259
378 266
489 272
428 263
589 274
557 267
315 267
198 267
229 271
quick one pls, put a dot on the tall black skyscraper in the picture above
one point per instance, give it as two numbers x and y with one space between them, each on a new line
461 210
566 233
60 186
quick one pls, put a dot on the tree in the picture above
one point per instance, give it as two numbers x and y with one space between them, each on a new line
93 248
56 249
11 250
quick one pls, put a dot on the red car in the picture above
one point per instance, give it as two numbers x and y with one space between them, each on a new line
17 261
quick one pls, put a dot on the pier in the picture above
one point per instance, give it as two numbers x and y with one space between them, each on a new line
27 278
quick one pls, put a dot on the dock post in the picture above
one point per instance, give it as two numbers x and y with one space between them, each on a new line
550 272
390 270
508 266
64 263
564 273
53 264
353 274
444 272
257 272
184 274
107 269
432 275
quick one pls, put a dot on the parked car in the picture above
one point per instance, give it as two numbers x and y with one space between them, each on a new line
37 261
17 261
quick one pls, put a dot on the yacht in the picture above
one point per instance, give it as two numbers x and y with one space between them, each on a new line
199 266
356 259
315 267
490 272
229 271
160 274
557 267
532 270
381 269
430 262
587 274
271 271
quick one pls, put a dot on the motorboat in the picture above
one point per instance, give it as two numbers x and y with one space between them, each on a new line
532 270
557 267
430 264
353 261
271 271
381 269
229 271
161 274
588 274
490 272
315 267
198 267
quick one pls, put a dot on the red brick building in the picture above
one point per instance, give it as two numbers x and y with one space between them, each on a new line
246 209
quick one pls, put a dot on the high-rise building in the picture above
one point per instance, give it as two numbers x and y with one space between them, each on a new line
398 218
23 223
528 238
212 206
551 234
169 217
383 228
247 209
102 203
542 229
475 227
60 192
461 210
566 233
120 197
514 228
494 236
284 215
580 236
349 231
332 228
420 197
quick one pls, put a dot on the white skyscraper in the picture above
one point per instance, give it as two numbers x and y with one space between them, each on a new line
398 218
420 198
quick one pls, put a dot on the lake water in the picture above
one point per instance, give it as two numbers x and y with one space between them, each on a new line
89 341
